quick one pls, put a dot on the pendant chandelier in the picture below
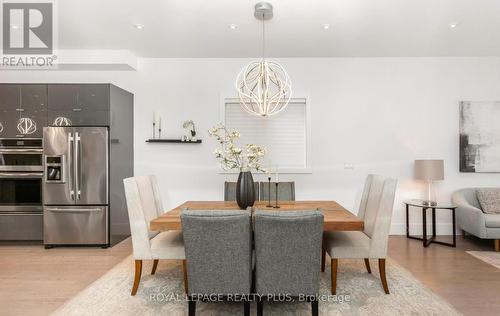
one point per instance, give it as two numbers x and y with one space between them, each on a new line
264 87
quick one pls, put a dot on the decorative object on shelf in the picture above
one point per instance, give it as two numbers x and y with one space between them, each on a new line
154 126
479 136
26 126
264 87
62 121
429 171
1 128
192 130
231 156
159 128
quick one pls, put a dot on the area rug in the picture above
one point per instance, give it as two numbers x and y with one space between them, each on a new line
359 293
490 257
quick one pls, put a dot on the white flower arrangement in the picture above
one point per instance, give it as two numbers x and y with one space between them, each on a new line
231 156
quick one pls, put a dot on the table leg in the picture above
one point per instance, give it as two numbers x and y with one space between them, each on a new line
454 228
433 222
424 226
407 221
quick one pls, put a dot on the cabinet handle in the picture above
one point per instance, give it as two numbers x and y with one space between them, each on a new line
77 110
20 110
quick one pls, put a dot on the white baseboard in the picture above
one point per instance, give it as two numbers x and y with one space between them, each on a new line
416 229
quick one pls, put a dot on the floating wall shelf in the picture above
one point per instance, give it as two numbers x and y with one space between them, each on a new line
172 140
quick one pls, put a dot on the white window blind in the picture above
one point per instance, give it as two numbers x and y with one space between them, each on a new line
284 135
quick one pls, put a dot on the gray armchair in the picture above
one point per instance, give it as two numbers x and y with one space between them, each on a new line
218 246
471 219
287 254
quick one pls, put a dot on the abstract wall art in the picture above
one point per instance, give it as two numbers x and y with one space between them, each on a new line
480 136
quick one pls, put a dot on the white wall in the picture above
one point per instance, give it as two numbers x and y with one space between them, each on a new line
379 114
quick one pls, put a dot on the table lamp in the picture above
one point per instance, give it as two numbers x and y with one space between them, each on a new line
429 171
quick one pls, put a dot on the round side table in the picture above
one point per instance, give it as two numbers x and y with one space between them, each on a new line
426 241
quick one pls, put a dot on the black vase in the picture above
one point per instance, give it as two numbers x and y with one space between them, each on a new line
245 190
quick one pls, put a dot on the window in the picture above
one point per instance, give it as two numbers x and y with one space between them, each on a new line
284 135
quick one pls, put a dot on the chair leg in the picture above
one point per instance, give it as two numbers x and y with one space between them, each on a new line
381 267
184 271
314 308
155 265
246 307
192 308
323 258
137 276
260 307
334 276
497 245
367 264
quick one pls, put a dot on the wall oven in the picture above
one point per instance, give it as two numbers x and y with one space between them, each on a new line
21 173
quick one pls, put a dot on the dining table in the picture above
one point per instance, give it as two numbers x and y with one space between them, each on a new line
336 217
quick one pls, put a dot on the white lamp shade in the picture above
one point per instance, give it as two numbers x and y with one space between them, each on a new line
429 170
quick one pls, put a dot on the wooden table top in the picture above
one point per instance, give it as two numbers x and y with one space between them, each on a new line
336 217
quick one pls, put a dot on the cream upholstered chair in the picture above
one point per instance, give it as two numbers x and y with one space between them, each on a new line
376 210
144 204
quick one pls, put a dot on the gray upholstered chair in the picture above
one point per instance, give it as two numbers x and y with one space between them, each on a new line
471 219
230 191
144 204
287 254
286 191
376 210
219 254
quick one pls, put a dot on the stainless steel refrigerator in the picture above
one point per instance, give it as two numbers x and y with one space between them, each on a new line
76 186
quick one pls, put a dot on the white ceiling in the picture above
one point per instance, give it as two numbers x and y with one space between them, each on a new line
199 28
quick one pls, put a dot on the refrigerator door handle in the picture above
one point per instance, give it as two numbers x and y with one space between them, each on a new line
74 210
78 161
70 160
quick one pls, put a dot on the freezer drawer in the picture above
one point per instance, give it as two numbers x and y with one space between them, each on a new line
18 226
75 225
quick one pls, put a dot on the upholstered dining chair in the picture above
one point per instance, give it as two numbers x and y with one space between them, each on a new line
286 191
219 254
230 191
287 254
144 204
376 210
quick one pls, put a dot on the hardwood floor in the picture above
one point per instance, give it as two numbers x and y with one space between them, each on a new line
35 281
467 283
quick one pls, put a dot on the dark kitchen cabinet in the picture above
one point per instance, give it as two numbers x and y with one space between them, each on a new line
80 104
9 96
23 110
23 96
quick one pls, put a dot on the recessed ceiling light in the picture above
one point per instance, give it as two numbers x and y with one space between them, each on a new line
139 26
453 25
233 26
325 26
14 27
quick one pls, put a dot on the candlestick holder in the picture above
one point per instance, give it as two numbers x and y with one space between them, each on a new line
154 130
269 192
159 133
276 206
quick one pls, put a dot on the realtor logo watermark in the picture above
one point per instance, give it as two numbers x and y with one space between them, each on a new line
28 30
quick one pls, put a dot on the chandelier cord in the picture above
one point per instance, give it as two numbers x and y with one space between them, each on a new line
263 37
